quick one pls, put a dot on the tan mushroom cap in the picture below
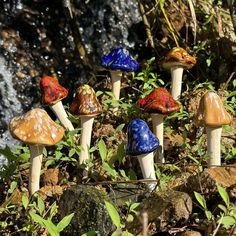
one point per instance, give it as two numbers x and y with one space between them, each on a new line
36 127
211 111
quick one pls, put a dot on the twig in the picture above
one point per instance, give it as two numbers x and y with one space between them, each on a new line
218 226
145 223
146 24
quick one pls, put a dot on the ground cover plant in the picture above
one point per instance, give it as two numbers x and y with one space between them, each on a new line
185 144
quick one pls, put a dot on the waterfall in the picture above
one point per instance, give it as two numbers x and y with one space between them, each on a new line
10 105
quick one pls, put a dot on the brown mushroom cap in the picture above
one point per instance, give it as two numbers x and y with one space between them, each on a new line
211 111
177 57
85 102
36 127
159 101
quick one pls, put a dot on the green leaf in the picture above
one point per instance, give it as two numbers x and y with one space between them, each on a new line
41 206
52 229
53 210
102 149
37 218
113 213
224 195
134 206
90 233
228 221
12 187
71 152
119 127
223 208
25 201
201 200
64 222
109 169
208 214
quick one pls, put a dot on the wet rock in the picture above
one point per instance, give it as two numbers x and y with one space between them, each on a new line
207 181
165 209
87 203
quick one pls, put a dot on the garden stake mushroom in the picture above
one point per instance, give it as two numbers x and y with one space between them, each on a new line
142 143
36 129
117 61
86 106
159 103
177 60
53 93
212 115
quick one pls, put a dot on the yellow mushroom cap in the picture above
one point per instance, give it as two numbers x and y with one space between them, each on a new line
36 127
211 111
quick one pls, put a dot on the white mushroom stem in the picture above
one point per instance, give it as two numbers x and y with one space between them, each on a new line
85 138
60 112
176 81
116 83
158 130
36 156
146 162
213 145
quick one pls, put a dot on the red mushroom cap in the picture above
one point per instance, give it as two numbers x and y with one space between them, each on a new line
159 101
85 102
53 92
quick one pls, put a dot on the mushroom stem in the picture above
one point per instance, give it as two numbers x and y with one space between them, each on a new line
176 81
158 127
85 138
146 162
116 83
213 145
36 156
60 112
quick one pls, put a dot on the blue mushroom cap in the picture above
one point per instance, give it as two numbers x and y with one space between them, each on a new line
119 59
140 138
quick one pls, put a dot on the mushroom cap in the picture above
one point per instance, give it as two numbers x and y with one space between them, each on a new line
140 138
119 59
159 101
53 92
36 127
85 102
211 111
177 57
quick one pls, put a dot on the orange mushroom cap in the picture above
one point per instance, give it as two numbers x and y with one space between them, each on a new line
36 127
159 101
53 92
177 57
85 102
211 111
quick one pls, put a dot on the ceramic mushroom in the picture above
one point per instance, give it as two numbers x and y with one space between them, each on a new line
86 106
36 129
159 103
176 60
53 93
141 144
118 61
212 115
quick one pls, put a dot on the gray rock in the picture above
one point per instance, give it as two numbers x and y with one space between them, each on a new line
165 209
87 203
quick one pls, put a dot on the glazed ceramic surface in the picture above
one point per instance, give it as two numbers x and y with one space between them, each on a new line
140 138
85 102
159 101
53 92
119 59
211 111
177 57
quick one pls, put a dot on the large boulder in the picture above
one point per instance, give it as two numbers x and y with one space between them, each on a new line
91 214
